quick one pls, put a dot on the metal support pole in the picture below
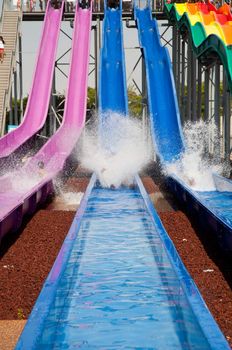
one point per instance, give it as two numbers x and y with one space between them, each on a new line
52 127
217 111
144 98
199 90
217 108
178 67
11 109
96 54
20 78
193 86
217 94
15 119
183 109
189 82
206 97
226 98
174 49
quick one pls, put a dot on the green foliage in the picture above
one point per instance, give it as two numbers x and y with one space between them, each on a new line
135 103
91 98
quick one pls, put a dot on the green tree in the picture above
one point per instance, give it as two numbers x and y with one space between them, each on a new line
135 103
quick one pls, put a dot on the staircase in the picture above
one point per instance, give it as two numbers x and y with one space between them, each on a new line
10 27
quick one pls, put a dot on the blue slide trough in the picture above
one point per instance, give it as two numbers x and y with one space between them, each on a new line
112 86
167 133
118 283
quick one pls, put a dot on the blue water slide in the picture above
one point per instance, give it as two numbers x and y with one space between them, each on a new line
162 100
210 208
112 85
118 283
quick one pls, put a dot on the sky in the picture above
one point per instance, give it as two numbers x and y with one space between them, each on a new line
30 47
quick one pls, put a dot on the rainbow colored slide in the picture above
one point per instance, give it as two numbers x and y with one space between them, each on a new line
210 28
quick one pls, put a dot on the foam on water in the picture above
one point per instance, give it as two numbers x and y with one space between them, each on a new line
193 167
121 152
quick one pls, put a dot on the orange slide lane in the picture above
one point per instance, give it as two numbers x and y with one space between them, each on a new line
216 21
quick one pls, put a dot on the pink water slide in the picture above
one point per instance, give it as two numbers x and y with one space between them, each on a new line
39 97
22 191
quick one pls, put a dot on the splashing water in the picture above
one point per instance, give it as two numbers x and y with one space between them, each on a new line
121 153
193 167
72 198
68 198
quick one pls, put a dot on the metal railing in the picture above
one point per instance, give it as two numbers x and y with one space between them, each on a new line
98 5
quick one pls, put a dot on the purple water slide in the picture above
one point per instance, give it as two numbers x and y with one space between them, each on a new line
23 190
38 101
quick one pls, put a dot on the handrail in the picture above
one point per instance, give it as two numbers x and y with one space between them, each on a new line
98 6
7 94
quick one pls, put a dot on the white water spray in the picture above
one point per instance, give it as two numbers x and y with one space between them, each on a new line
66 197
193 167
121 153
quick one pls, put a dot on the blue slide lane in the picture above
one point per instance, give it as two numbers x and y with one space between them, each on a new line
112 87
167 132
162 100
118 287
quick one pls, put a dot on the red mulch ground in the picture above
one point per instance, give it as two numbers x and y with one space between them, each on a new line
27 260
213 285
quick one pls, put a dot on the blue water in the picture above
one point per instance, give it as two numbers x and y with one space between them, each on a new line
119 290
219 203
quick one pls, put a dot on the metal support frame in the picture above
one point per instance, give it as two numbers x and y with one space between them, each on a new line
178 67
55 113
15 120
199 90
174 50
226 115
20 78
11 108
196 81
183 77
193 87
144 98
206 96
189 81
217 111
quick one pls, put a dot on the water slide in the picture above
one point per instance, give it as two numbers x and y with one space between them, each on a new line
210 28
23 190
39 97
212 208
118 282
112 67
112 77
164 113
